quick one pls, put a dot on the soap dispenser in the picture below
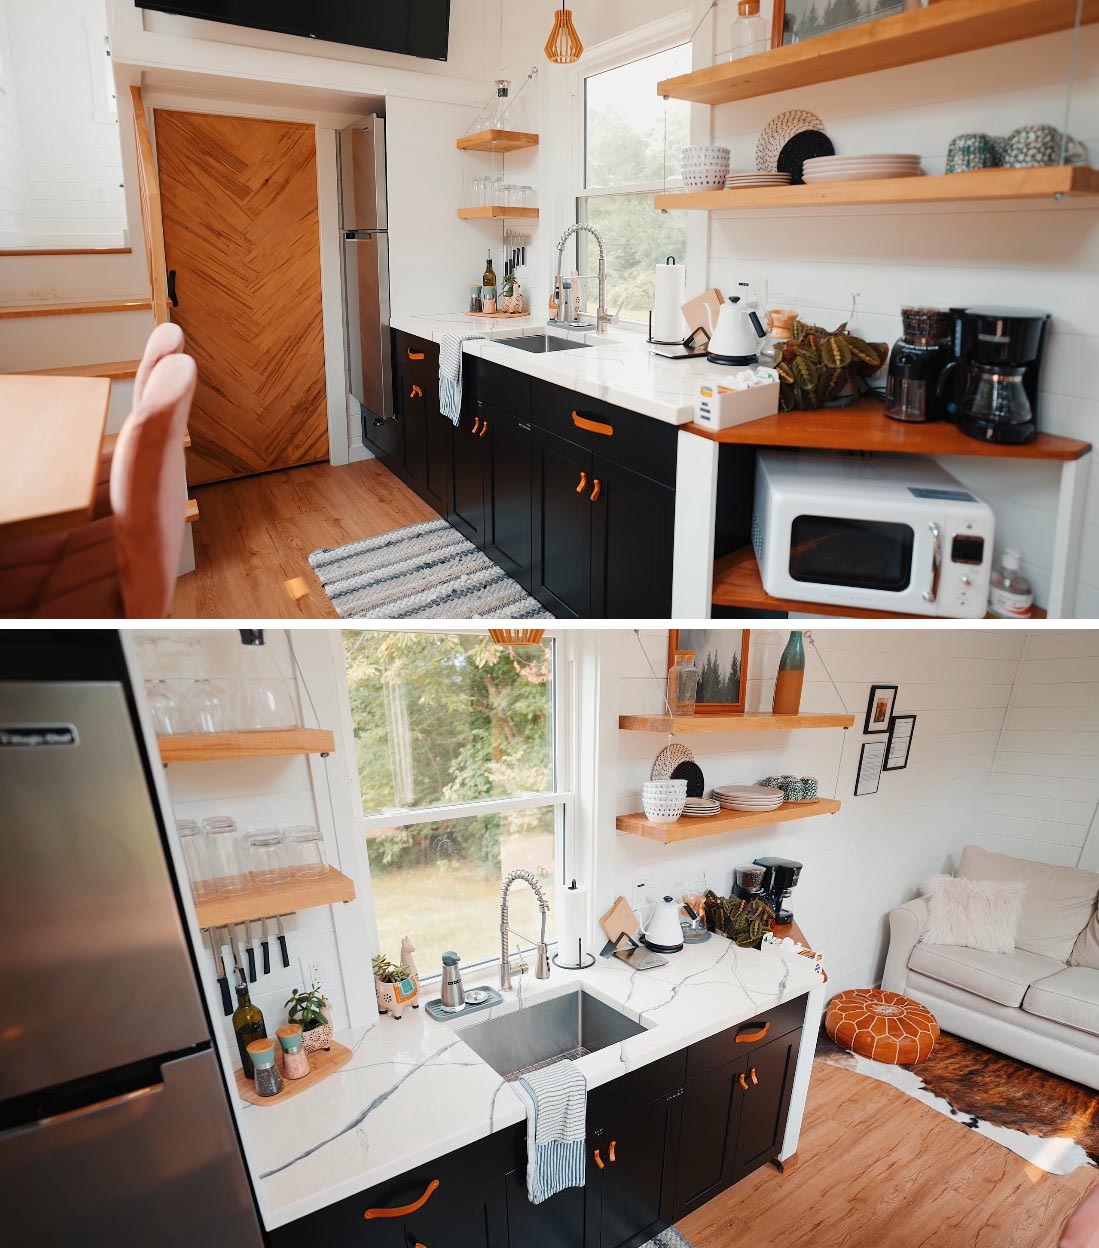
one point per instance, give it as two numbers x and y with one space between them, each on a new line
452 994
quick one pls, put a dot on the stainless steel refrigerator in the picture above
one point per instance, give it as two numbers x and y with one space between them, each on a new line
115 1126
365 225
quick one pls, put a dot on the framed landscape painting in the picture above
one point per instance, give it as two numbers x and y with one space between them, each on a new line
721 656
796 20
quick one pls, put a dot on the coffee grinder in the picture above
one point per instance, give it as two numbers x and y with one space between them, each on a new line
920 366
999 359
779 880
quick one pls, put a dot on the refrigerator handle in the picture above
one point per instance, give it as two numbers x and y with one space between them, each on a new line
86 1111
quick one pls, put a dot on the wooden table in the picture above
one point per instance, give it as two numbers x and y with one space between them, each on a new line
51 431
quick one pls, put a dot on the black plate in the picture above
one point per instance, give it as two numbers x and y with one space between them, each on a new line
802 147
692 773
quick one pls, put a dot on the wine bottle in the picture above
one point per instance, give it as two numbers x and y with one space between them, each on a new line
791 674
248 1025
489 278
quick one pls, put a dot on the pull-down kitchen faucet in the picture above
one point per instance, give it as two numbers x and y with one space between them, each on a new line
564 316
543 970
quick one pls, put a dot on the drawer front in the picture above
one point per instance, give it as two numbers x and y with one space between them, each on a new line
503 388
415 356
639 1087
735 1042
647 446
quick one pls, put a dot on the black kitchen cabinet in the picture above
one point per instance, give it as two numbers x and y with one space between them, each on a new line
632 538
631 1174
555 1223
562 512
707 1145
508 493
469 463
767 1086
425 437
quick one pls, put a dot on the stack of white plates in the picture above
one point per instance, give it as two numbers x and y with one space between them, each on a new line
700 807
757 797
739 181
861 168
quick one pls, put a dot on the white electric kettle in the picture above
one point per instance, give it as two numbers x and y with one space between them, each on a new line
663 933
734 339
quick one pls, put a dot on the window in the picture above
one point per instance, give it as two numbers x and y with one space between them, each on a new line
632 146
455 740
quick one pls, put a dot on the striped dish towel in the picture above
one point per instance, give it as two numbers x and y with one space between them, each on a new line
556 1100
450 375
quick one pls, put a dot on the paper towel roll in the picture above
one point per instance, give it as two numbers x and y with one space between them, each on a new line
669 296
572 926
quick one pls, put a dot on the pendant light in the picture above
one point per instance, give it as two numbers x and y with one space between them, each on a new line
563 47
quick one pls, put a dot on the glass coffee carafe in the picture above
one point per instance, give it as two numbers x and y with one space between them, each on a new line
995 393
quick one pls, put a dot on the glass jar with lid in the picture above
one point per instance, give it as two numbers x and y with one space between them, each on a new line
683 683
308 860
268 857
227 870
193 844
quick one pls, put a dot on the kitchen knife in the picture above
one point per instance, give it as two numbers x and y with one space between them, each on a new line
265 948
219 970
250 951
282 940
236 956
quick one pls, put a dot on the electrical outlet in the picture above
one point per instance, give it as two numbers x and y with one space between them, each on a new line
99 195
314 970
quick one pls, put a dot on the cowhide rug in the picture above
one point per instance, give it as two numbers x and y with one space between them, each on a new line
1049 1121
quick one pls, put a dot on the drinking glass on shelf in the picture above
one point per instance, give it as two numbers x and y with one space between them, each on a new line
264 697
308 860
527 200
227 871
162 700
193 844
206 707
268 857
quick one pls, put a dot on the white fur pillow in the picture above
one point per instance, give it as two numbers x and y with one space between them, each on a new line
980 914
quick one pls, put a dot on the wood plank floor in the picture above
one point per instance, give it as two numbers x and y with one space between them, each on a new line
879 1170
256 533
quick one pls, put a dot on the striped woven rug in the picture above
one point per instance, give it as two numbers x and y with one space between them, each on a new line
670 1238
428 571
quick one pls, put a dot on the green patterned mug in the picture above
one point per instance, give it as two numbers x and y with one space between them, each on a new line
970 151
1030 147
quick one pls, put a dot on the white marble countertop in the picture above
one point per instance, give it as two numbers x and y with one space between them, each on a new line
618 367
413 1091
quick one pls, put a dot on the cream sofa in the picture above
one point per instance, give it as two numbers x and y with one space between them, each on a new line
1039 1004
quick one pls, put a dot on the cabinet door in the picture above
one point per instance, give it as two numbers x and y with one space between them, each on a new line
636 1185
412 406
562 525
766 1103
467 493
555 1223
439 434
509 494
476 1220
634 519
708 1139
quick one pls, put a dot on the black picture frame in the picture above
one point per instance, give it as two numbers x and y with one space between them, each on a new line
889 764
860 791
879 709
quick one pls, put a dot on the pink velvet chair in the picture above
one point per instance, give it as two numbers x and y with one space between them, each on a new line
1082 1229
122 565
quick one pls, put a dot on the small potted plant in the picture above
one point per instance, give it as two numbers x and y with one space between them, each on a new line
308 1009
511 298
396 984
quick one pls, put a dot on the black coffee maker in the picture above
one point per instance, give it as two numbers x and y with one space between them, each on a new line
996 372
779 879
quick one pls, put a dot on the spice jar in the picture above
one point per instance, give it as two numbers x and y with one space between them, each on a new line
295 1060
266 1073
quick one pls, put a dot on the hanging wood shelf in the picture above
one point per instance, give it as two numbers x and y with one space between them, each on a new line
1050 185
887 43
685 725
864 427
727 821
492 211
265 903
199 747
497 141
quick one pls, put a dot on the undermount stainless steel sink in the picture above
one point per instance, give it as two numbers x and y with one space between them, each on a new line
541 343
569 1026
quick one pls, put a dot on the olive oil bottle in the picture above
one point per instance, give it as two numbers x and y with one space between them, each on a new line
248 1025
489 278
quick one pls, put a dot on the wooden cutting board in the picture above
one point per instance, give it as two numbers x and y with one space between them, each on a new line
618 919
702 310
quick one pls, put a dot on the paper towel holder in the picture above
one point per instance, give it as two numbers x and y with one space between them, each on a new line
580 964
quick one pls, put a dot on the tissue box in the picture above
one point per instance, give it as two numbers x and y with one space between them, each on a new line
722 403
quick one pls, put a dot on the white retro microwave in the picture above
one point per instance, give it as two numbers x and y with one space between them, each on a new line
885 533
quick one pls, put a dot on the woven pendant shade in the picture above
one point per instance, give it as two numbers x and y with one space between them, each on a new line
563 47
516 636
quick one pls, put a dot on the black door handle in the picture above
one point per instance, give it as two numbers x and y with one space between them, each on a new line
172 288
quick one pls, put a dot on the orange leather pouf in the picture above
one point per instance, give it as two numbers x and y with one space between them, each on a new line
883 1026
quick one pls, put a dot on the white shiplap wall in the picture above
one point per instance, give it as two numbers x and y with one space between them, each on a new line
872 855
13 173
1019 255
1042 796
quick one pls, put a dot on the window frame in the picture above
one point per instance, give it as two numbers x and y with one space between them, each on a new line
562 797
663 36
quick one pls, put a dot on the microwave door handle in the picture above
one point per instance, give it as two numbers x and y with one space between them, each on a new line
932 594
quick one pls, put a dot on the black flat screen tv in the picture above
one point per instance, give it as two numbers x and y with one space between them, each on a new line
412 27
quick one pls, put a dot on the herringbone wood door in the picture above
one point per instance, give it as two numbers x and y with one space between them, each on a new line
240 230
